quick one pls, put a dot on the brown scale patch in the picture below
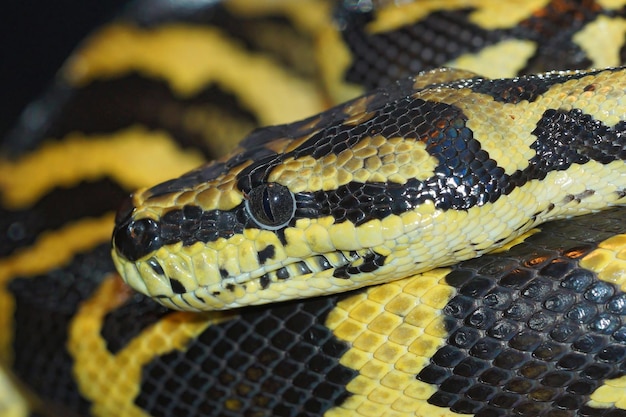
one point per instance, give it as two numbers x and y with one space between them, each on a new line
372 159
279 145
296 143
312 124
357 111
441 75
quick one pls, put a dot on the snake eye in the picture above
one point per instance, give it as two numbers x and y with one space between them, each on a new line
135 239
271 205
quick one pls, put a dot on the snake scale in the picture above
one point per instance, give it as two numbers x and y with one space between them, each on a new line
405 184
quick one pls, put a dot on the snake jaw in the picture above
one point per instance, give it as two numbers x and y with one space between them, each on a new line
292 278
433 185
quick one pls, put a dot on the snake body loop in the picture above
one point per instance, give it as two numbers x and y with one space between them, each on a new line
429 132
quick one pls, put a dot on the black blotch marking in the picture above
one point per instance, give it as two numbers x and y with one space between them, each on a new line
552 29
573 137
283 348
530 329
515 90
282 273
128 100
230 287
267 253
370 263
302 268
156 267
381 58
126 322
465 176
177 286
223 273
341 272
58 207
264 281
280 234
45 306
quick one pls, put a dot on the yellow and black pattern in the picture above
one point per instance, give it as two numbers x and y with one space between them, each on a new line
394 183
535 331
385 43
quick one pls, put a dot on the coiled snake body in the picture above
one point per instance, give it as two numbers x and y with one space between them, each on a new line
402 185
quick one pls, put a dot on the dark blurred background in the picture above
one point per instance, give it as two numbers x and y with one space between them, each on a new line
35 39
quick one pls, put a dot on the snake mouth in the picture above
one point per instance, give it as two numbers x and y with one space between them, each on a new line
316 275
300 278
343 264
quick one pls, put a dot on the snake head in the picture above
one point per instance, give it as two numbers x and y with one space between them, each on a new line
292 213
396 182
251 247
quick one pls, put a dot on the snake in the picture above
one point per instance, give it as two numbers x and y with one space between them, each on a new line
448 241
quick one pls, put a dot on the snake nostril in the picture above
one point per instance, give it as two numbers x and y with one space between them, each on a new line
137 238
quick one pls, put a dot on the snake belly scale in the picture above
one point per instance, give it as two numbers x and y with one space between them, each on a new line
404 186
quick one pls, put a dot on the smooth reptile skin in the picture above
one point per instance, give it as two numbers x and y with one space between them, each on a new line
535 331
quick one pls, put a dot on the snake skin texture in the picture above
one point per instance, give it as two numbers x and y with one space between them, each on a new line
536 328
391 184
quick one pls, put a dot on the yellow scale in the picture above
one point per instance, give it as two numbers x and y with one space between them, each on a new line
383 325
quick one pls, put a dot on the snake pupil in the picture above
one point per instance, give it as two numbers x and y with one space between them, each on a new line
268 205
135 239
271 205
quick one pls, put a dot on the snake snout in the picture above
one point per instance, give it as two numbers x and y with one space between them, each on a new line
133 239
